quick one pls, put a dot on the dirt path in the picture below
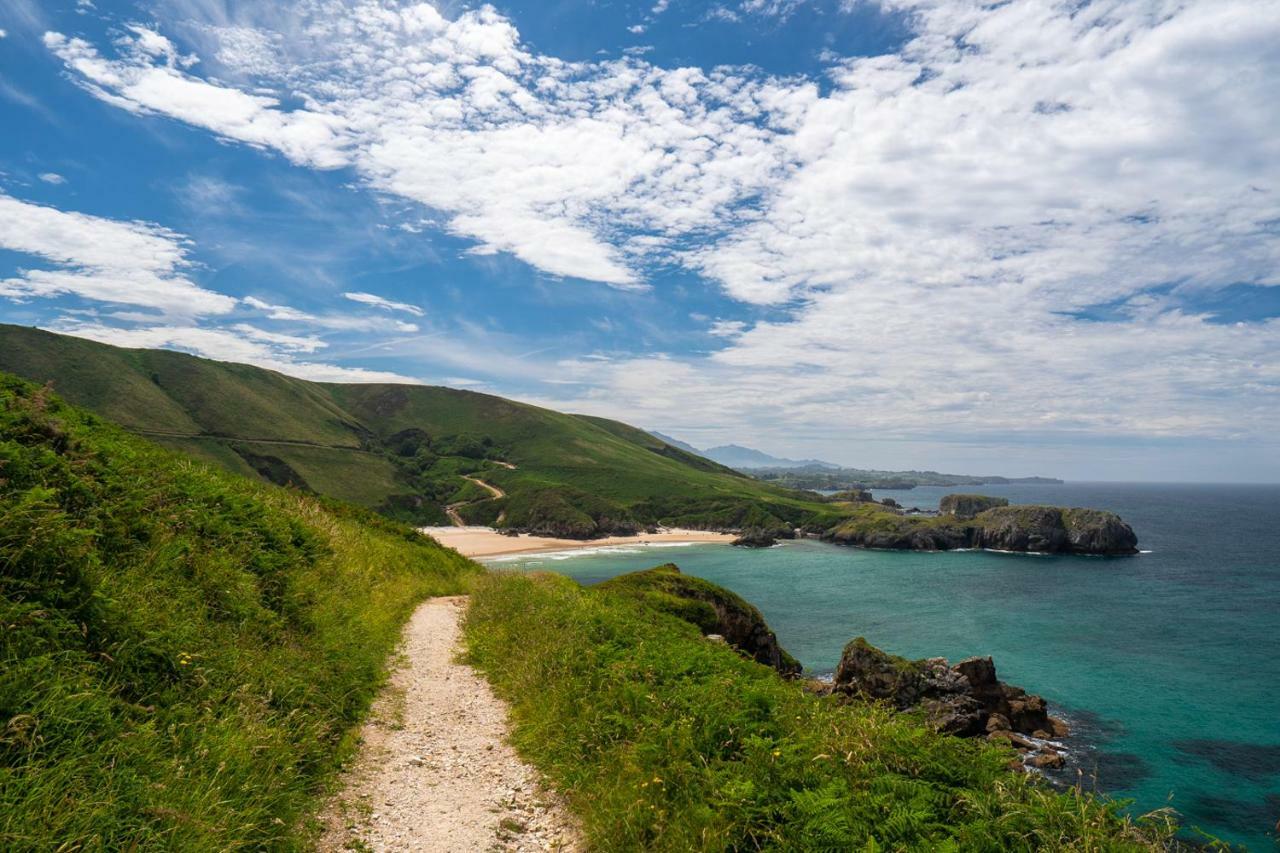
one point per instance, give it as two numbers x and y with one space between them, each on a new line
435 772
493 490
452 509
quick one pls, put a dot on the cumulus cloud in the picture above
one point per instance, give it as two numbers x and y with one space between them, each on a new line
931 236
105 260
52 178
561 164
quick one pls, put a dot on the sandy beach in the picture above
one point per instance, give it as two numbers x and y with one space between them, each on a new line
481 542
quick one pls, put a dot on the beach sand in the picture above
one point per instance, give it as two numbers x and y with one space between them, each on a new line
481 542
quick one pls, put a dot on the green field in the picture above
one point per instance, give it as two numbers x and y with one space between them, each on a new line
184 652
400 449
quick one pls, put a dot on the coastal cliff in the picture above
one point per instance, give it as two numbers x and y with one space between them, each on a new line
715 610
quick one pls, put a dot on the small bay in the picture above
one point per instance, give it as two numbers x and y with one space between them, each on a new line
1167 663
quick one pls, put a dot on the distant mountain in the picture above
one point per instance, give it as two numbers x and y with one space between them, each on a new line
825 476
675 442
737 456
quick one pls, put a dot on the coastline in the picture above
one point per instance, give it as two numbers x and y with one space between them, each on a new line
481 542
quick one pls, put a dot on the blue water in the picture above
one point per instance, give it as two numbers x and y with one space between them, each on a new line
1167 664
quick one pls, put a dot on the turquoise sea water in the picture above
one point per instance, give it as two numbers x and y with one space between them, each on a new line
1167 664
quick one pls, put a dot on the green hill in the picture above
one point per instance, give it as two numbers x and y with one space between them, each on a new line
402 449
183 652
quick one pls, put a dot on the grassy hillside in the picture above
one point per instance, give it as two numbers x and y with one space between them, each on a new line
664 741
184 652
401 449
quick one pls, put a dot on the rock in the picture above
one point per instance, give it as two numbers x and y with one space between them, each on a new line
1092 531
890 502
714 609
1041 734
1006 528
1022 743
966 699
755 538
1054 530
715 638
1059 727
967 506
1049 759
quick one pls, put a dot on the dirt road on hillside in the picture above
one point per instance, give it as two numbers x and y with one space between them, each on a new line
435 772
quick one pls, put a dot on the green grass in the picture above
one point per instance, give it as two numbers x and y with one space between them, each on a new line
184 652
664 741
398 448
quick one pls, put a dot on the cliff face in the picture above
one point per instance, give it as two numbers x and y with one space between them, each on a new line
1046 529
714 609
1054 530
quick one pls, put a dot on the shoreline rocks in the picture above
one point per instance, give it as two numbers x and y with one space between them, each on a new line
965 699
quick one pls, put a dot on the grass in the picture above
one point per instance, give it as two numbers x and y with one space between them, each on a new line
399 448
664 741
184 652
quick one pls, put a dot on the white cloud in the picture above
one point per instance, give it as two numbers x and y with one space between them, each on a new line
4 34
52 178
241 345
926 233
130 263
558 163
385 304
636 29
332 322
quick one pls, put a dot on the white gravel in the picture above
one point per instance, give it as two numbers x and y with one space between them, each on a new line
435 771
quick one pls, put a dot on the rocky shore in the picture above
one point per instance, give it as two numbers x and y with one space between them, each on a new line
966 700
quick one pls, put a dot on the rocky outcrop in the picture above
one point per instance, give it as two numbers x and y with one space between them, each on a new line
715 610
1046 529
898 533
966 700
967 506
1054 530
760 538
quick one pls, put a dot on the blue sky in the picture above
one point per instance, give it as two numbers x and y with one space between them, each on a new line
1018 237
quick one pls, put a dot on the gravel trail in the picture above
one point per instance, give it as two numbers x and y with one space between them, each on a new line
435 771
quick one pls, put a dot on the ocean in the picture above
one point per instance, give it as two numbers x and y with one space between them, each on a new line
1166 664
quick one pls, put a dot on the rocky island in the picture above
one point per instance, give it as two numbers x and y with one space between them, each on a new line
977 521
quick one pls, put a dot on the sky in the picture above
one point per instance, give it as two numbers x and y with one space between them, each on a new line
1018 237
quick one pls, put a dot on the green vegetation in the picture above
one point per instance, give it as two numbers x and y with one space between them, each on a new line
662 740
401 449
184 652
714 609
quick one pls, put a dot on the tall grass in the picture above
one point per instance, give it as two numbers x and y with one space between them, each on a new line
665 741
183 653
